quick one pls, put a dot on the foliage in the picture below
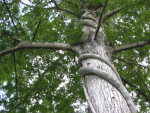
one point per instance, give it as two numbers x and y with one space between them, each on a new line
48 79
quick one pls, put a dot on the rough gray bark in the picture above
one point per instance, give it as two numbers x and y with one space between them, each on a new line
101 95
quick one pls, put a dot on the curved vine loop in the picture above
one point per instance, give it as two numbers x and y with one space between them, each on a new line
95 56
83 71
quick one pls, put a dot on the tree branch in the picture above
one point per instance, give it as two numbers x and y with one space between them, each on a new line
69 2
17 39
146 86
131 46
137 89
16 77
16 80
131 62
25 4
110 14
9 12
66 10
36 30
27 45
100 19
141 79
2 9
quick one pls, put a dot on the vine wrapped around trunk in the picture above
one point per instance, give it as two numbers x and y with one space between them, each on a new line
83 71
103 87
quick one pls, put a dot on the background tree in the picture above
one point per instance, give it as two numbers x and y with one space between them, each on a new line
46 80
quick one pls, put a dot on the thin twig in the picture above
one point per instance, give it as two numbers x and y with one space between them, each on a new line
12 20
26 4
136 88
2 9
110 14
140 78
69 2
131 62
100 19
36 30
16 78
66 10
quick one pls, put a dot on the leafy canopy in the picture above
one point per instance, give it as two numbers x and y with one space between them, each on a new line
47 80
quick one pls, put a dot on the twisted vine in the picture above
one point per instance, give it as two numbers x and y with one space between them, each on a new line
83 71
95 56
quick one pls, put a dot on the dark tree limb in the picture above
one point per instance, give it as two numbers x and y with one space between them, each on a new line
28 45
141 79
131 62
26 4
137 89
16 81
66 10
9 12
36 30
2 9
12 20
100 19
131 46
146 86
69 2
110 14
16 74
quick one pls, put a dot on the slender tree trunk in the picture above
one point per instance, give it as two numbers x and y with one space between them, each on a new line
103 97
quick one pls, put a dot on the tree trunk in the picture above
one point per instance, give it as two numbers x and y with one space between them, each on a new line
101 95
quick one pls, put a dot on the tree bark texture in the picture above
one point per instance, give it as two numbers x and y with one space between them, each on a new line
101 94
